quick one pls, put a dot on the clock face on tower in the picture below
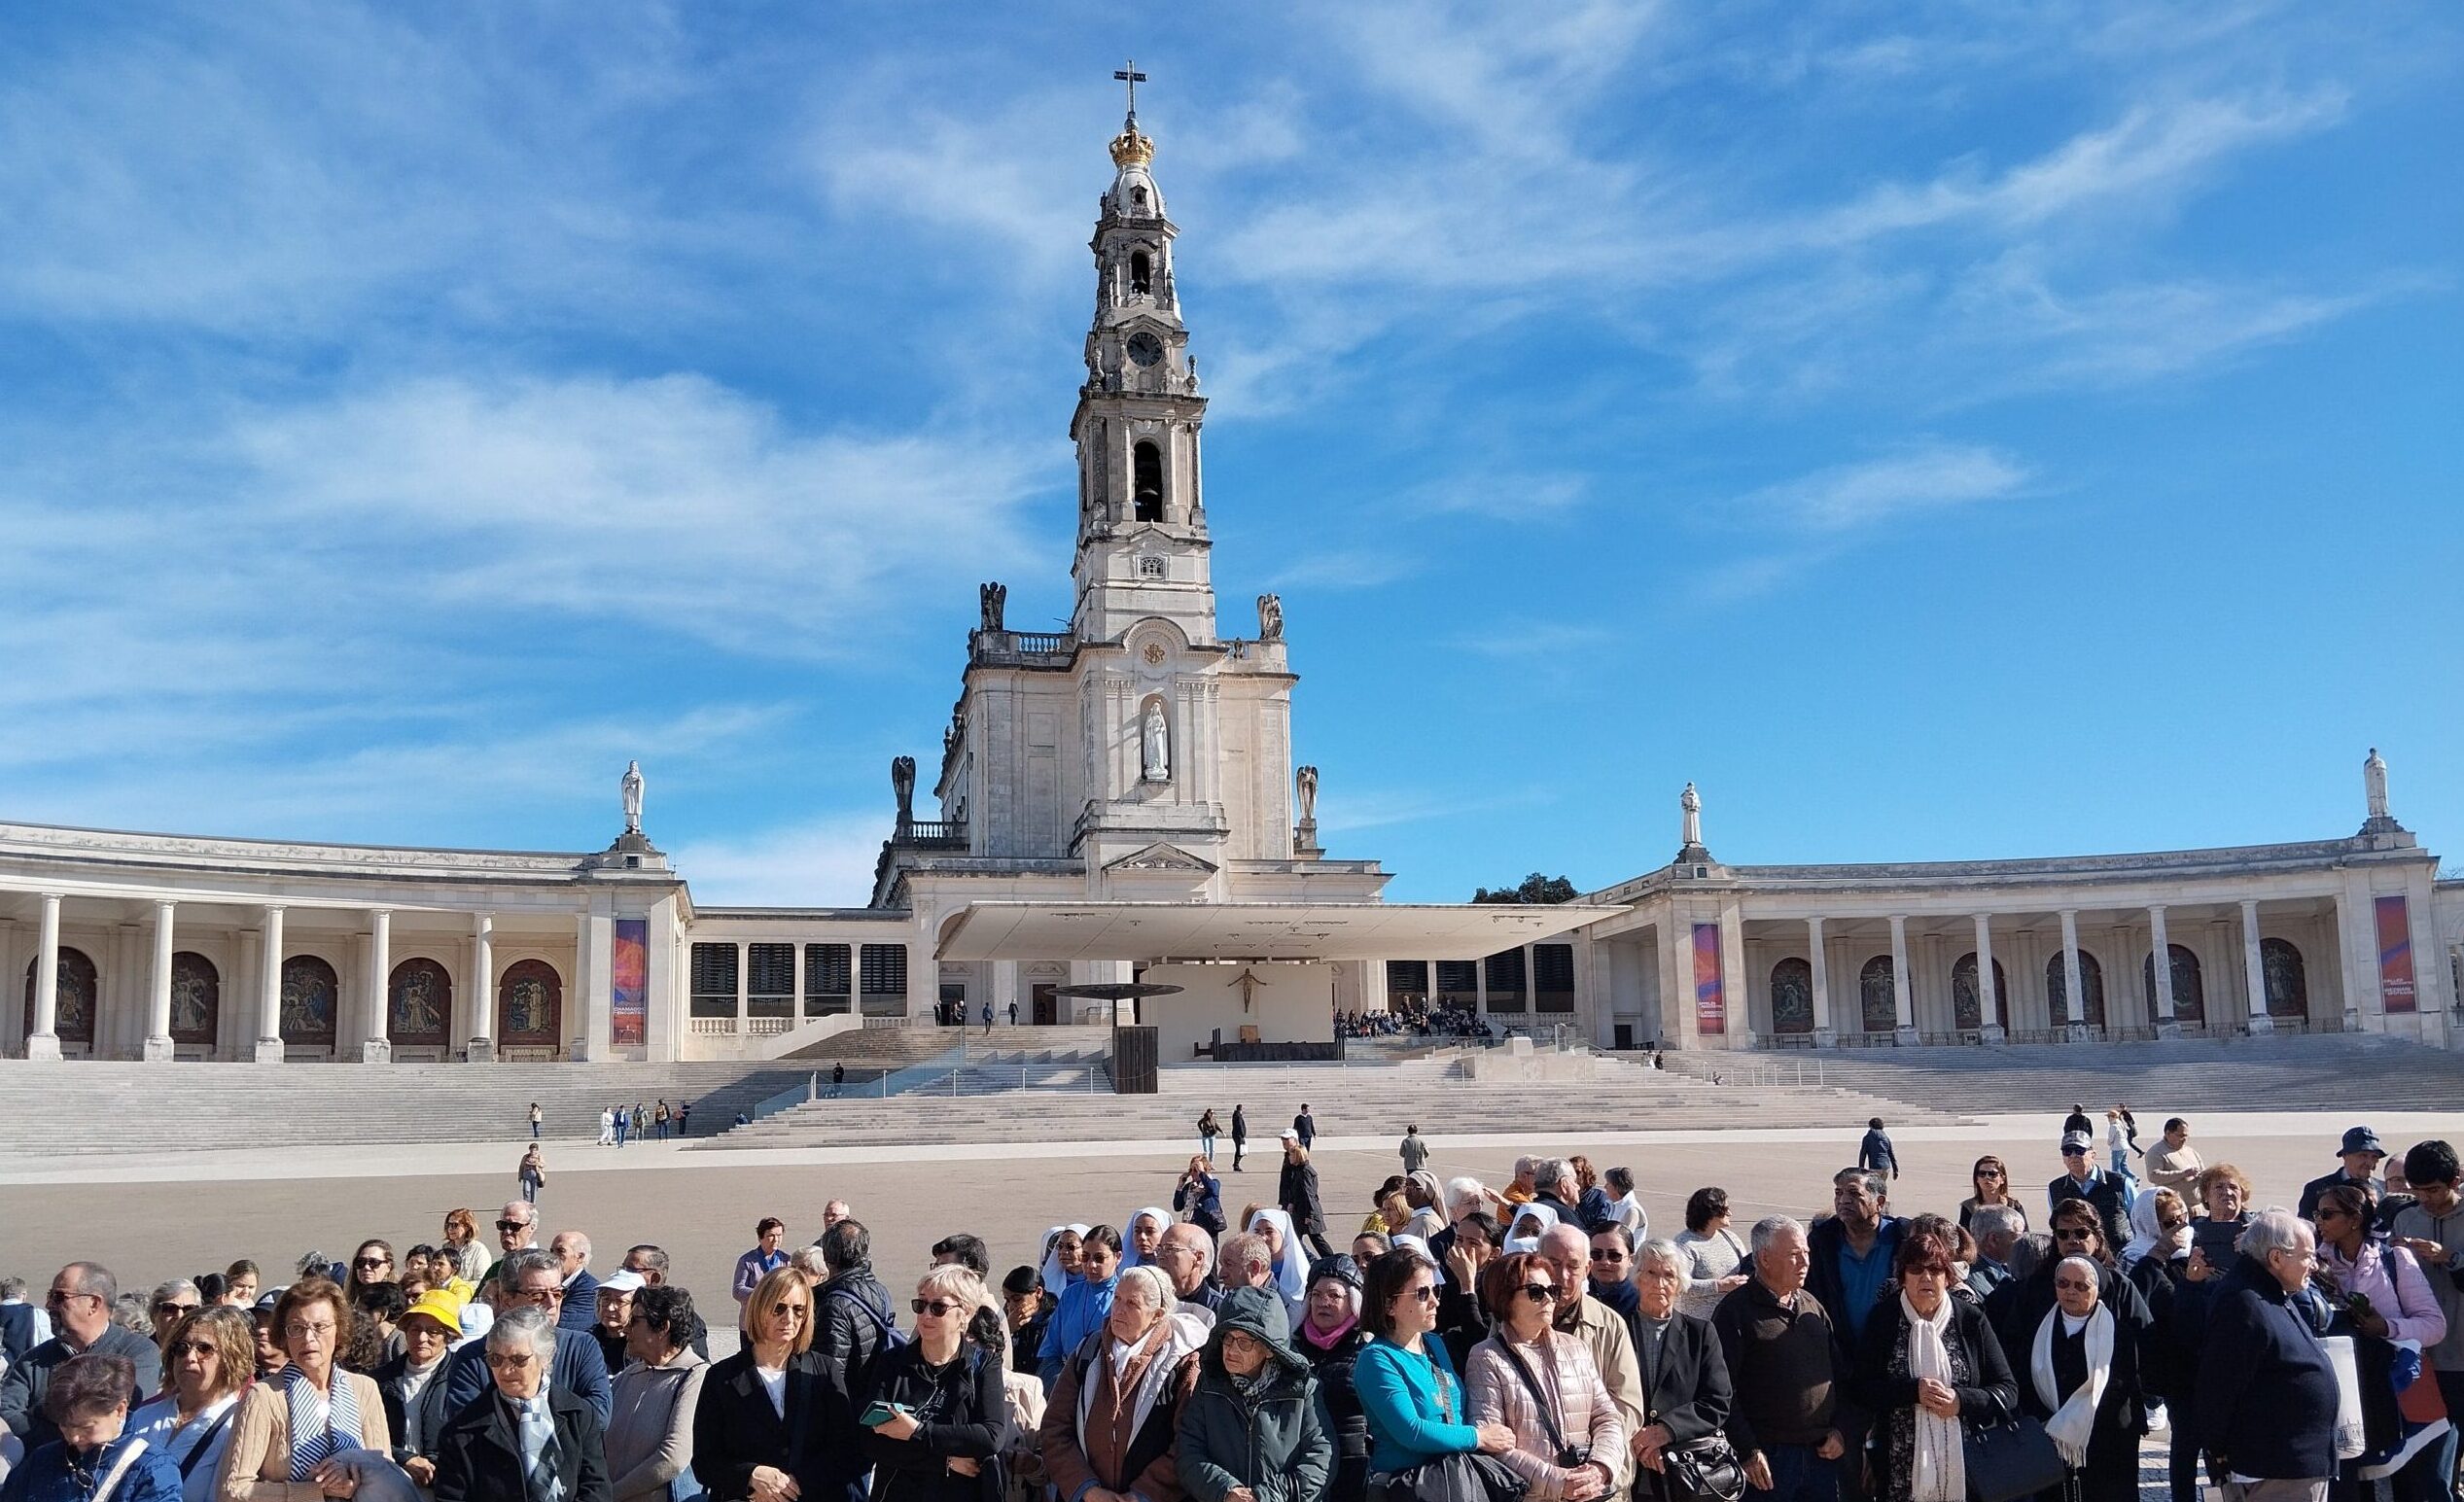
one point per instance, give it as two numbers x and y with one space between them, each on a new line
1144 348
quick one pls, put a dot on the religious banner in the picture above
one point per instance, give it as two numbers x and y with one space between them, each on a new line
2395 954
629 1024
1710 994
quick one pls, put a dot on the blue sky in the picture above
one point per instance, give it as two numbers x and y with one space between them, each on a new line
1940 432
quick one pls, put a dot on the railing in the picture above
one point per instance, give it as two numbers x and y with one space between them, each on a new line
712 1026
932 833
1030 648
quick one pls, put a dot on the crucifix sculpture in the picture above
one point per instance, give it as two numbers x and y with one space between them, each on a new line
1249 983
1130 76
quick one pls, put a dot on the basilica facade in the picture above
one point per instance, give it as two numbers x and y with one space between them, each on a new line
1119 803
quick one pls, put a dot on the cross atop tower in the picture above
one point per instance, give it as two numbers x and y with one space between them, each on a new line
1128 73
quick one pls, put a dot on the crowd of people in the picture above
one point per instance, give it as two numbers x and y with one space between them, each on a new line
1414 1018
1532 1339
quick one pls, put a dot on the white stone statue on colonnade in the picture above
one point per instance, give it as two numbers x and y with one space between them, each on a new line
632 789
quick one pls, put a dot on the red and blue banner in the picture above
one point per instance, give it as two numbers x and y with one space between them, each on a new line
628 1025
1710 989
2395 956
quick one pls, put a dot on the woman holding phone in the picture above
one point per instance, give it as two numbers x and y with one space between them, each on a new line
937 1406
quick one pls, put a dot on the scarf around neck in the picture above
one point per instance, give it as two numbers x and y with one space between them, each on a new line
2074 1417
1940 1472
311 1443
1326 1339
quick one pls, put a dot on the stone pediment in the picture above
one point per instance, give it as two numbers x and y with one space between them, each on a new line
1161 857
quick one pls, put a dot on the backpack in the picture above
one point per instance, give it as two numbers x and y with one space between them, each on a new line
891 1337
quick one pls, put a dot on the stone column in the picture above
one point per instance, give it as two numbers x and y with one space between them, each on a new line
1903 1001
744 985
157 1042
2254 969
1824 1034
2159 948
43 1042
378 1047
2074 999
1989 1001
594 961
269 990
483 1048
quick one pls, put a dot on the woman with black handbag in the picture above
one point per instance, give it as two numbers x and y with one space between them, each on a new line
1423 1444
1682 1452
1569 1445
1930 1366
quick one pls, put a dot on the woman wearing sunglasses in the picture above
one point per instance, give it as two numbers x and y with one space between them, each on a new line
208 1357
1569 1443
937 1406
757 1403
1991 1181
1409 1394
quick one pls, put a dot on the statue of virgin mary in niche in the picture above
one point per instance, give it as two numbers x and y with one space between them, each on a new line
1155 746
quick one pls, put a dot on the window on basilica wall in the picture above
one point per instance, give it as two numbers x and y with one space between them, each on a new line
1140 275
2190 992
1792 995
2091 983
830 979
770 980
714 978
2288 983
1458 982
1146 483
883 970
1553 977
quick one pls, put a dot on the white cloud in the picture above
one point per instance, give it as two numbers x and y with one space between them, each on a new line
826 862
1506 495
1358 568
1932 477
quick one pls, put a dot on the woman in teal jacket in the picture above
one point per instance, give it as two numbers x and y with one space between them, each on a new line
1407 1387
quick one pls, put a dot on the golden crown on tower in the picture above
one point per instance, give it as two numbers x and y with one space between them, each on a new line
1131 148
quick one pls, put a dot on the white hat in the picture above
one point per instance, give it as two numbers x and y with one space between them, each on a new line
1288 1134
623 1280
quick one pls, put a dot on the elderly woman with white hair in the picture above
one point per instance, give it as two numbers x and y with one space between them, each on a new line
1114 1414
2080 1375
497 1449
1687 1393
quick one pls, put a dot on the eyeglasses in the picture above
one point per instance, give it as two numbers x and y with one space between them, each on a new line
373 1261
1423 1293
54 1299
2073 1285
1612 1254
509 1360
1539 1293
512 1225
302 1330
2073 1233
1993 1172
181 1348
173 1310
786 1309
936 1308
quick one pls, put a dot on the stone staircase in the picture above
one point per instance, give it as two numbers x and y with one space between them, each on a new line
105 1106
901 1046
2354 1073
1348 1100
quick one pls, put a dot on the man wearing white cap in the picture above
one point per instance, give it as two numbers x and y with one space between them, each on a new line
2086 1181
613 1312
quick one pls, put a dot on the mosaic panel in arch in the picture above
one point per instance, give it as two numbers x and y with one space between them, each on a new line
1967 1008
2190 989
73 997
419 1003
197 998
2091 982
1876 998
530 1003
1793 997
2288 979
311 1001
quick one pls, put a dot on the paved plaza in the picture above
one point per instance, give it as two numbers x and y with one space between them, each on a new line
156 1215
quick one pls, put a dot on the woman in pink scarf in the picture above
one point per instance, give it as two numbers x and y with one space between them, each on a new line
1328 1338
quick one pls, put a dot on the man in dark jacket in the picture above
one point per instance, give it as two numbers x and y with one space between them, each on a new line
80 1305
1240 1136
1874 1152
2084 1180
852 1321
1788 1373
1852 1250
23 1325
1252 1421
2267 1395
525 1429
532 1280
1305 1125
2362 1154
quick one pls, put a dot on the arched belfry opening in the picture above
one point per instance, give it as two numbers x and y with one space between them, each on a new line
1141 275
1146 483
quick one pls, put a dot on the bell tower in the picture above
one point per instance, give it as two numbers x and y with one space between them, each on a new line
1142 545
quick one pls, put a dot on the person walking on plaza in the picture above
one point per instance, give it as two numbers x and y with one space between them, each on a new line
1305 1126
1413 1151
1240 1136
1297 1194
1875 1153
531 1174
988 1019
1013 1014
622 1120
607 1128
1208 1129
534 1118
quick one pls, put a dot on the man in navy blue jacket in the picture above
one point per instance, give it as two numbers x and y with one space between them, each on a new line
2266 1394
532 1280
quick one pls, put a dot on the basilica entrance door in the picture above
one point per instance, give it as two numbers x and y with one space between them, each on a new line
1047 1005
